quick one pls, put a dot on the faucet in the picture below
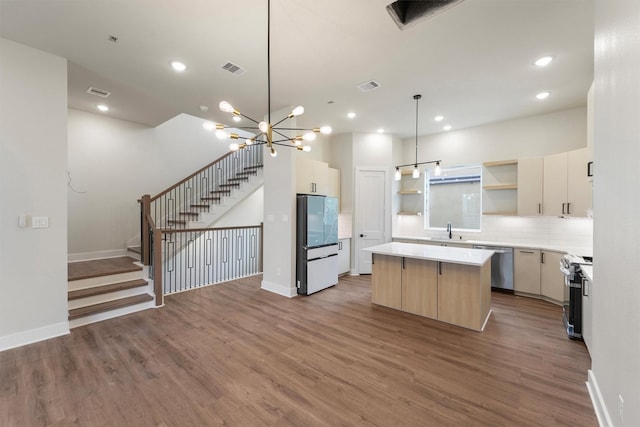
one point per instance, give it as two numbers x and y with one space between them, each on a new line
449 229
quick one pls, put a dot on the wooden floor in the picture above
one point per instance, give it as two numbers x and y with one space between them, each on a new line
235 355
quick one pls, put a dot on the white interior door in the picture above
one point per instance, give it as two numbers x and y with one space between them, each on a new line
372 217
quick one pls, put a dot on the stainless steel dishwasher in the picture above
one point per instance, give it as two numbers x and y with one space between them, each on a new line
501 267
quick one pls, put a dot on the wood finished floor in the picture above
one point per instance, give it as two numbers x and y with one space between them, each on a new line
235 355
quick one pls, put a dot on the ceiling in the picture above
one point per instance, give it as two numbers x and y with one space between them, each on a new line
472 63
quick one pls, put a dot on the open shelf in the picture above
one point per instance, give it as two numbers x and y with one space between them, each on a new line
500 187
500 163
501 213
410 213
403 192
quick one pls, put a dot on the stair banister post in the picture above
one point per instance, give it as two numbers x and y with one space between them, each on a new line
157 267
144 229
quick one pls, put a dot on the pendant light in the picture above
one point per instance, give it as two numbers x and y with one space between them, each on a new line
416 171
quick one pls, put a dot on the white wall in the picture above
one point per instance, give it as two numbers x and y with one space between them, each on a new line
533 136
33 140
616 291
112 163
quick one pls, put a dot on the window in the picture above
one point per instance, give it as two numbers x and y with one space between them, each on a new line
454 197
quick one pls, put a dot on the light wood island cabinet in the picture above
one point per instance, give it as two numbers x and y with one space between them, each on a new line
449 284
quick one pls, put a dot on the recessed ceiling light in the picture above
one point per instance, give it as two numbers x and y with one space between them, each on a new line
178 66
544 61
543 95
351 115
380 130
103 108
447 127
208 126
438 118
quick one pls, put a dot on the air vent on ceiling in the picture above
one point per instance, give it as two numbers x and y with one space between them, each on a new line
234 69
370 85
408 12
98 92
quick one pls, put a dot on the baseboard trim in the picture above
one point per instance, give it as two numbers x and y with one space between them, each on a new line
604 420
285 291
88 256
34 335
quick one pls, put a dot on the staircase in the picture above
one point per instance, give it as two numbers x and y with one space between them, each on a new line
209 208
106 288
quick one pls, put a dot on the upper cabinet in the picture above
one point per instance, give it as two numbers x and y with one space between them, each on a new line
556 185
316 178
566 188
530 186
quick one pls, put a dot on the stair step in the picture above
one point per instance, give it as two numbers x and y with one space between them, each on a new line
235 184
215 199
201 206
247 173
135 249
253 167
109 305
101 267
190 213
177 221
105 289
243 178
220 192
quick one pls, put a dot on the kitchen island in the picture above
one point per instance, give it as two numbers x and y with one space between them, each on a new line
449 284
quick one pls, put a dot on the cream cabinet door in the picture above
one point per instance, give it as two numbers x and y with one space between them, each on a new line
554 201
420 287
344 256
530 184
526 269
551 278
579 194
386 281
460 294
312 176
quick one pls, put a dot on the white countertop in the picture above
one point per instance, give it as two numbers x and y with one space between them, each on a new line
476 257
588 271
581 251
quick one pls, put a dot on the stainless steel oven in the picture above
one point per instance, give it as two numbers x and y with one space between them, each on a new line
570 265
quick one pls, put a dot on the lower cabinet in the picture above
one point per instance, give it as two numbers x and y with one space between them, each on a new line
420 287
453 293
538 273
344 256
551 278
526 271
386 283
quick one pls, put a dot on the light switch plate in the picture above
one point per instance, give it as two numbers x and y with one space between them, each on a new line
22 221
40 222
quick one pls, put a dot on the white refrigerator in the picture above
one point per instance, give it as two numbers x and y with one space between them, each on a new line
316 243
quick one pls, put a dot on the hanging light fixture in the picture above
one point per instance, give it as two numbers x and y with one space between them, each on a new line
416 172
267 132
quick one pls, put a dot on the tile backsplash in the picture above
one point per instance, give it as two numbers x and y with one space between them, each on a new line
544 230
344 226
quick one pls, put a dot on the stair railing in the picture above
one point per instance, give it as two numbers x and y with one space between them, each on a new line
154 255
172 208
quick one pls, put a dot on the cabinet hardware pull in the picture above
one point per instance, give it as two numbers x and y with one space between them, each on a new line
526 252
403 263
539 208
340 245
585 292
440 267
568 208
563 208
373 259
542 257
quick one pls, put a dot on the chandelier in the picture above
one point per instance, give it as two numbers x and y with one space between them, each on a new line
416 171
266 132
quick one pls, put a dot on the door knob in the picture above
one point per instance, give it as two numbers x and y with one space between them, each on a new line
362 235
